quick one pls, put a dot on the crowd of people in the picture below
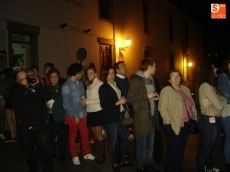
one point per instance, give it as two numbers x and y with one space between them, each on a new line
41 112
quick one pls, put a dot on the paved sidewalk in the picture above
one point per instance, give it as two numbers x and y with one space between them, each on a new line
12 159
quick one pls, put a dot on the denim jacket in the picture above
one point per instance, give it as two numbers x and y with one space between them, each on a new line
72 93
224 84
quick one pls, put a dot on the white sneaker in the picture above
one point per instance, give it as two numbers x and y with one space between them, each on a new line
76 161
2 136
89 156
216 169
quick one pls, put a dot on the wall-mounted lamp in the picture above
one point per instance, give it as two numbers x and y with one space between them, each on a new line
189 64
127 43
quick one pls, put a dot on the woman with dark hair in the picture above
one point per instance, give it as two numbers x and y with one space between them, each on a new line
210 102
224 84
176 106
94 112
111 103
56 115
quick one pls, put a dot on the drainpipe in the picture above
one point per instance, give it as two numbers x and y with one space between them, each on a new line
114 47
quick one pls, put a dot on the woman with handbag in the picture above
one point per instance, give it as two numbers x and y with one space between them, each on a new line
94 112
211 103
112 105
176 107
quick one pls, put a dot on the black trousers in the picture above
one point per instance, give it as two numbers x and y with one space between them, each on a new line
36 139
58 129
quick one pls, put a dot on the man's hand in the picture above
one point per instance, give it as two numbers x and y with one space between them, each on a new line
37 81
156 96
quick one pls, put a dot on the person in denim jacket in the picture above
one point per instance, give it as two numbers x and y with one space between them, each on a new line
72 92
224 84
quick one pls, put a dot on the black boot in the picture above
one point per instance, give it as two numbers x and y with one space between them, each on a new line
96 144
228 167
101 158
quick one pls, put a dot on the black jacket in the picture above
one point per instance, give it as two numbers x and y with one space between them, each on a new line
108 99
30 104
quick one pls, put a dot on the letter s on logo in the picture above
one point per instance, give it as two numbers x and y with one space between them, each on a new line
215 8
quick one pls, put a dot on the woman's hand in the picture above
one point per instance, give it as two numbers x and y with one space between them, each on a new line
83 102
121 101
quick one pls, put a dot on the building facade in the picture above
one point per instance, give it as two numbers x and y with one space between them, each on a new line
67 31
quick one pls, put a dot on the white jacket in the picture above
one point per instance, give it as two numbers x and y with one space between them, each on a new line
93 101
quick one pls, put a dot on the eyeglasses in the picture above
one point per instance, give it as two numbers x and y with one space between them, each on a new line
174 77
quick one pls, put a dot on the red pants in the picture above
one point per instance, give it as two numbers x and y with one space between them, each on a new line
83 129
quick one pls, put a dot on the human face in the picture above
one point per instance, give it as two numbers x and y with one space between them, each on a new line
36 73
31 73
153 69
122 70
229 67
111 75
79 75
91 74
175 79
46 69
21 78
214 70
54 79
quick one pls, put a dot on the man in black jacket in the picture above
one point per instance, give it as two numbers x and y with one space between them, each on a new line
29 102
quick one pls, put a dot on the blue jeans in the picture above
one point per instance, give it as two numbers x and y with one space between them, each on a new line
117 131
209 138
144 148
174 157
225 123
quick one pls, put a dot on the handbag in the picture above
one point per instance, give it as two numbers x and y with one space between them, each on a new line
193 126
127 119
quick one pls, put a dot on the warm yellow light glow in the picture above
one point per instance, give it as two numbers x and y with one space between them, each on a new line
128 42
118 43
189 64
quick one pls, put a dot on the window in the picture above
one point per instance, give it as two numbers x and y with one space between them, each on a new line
146 15
21 45
171 31
106 56
105 7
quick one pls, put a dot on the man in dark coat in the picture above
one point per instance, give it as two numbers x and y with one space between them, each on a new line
29 102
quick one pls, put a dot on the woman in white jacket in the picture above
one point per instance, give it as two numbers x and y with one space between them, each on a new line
94 112
210 104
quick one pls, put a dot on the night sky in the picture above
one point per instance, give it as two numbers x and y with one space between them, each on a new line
216 32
